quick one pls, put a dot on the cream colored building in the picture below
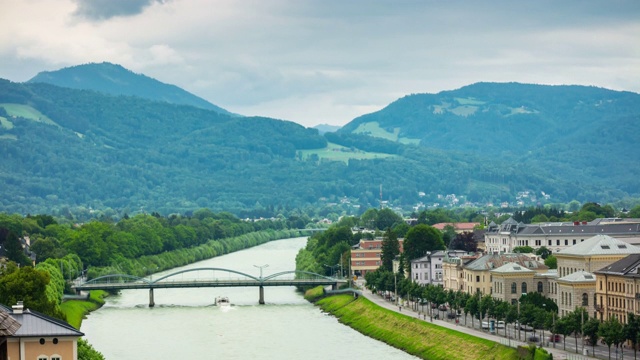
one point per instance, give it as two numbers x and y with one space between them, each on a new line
478 278
557 236
510 281
453 272
576 290
617 290
33 336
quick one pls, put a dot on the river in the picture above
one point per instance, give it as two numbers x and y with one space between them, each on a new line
185 324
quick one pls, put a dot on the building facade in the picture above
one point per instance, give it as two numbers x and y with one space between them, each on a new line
366 256
429 269
617 290
32 335
558 235
477 274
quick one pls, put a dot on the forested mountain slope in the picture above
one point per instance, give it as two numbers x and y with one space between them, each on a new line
66 149
114 79
586 135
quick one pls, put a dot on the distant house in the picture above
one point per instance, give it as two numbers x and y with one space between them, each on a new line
458 227
27 334
366 256
428 269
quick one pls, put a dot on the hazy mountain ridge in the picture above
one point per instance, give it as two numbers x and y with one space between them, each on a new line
114 79
579 133
130 153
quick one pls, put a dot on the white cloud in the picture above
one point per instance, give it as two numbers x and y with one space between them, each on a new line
329 61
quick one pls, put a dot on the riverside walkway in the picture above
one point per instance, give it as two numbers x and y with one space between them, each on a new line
558 352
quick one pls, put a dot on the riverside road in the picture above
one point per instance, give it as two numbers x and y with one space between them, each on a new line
601 351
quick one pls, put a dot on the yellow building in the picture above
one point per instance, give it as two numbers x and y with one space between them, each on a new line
29 335
617 290
477 276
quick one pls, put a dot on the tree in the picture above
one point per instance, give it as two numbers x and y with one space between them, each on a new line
448 234
631 331
390 249
590 329
611 332
30 286
387 218
551 262
473 306
420 239
464 241
543 252
523 249
485 306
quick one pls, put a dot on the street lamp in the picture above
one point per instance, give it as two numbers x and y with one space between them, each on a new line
261 267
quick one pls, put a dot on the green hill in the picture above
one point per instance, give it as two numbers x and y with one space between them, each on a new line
69 151
114 79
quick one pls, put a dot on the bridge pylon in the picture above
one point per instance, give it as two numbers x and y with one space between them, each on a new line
151 302
261 300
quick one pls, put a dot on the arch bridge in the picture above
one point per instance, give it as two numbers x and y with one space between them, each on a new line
207 277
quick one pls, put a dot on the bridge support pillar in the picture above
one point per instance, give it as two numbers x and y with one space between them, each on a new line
151 302
261 300
334 286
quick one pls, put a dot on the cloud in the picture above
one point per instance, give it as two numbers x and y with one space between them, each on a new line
106 9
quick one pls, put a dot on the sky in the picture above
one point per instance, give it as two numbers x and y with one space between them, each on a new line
328 61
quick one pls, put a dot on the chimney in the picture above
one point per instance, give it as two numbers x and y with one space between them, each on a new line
18 308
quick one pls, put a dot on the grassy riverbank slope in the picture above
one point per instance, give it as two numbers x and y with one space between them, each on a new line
414 336
76 310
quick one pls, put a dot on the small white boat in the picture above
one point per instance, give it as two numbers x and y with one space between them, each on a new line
223 302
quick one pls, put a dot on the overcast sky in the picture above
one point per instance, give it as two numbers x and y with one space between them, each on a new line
327 61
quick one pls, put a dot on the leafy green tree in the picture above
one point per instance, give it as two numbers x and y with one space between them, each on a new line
485 306
448 234
611 332
523 249
30 286
551 262
46 248
387 218
543 252
540 218
87 352
464 241
631 331
14 249
635 212
420 239
591 328
473 306
390 249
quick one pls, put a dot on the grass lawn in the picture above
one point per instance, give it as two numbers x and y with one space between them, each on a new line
334 152
409 334
27 112
374 129
76 310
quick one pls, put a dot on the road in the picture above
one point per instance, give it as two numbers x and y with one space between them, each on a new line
558 351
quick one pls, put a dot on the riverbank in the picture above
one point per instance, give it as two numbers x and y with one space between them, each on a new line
76 310
409 334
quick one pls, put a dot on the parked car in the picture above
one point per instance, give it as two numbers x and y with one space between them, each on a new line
485 324
500 325
442 307
555 338
524 327
533 339
452 315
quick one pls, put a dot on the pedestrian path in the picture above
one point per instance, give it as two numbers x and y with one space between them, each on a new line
556 352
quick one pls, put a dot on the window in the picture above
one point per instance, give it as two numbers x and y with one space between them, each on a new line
524 287
56 357
540 287
477 278
514 288
585 299
43 357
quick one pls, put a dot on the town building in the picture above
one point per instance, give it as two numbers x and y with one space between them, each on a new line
453 272
366 256
557 235
428 269
617 290
576 282
459 227
27 334
477 274
512 280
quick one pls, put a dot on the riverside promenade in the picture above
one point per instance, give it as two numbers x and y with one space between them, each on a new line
558 353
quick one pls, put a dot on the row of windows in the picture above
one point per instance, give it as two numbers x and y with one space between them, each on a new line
53 357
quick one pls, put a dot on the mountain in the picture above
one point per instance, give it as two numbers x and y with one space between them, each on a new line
76 152
114 79
325 128
585 135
